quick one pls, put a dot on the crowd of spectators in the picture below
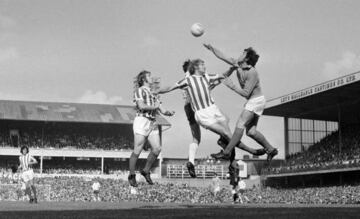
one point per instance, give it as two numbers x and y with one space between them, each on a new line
72 137
70 170
66 166
115 190
87 171
326 154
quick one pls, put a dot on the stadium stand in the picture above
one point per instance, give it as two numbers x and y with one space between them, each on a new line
59 136
322 133
325 154
70 138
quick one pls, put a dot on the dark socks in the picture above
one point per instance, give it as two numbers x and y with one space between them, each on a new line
132 163
242 146
34 191
232 156
234 140
150 161
260 139
28 192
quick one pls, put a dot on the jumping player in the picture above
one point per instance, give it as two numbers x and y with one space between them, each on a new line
254 107
26 160
145 127
207 114
190 114
194 126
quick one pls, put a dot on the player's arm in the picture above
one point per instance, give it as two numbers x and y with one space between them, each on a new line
178 85
166 112
20 167
220 55
215 81
214 84
167 89
228 72
32 161
142 106
248 87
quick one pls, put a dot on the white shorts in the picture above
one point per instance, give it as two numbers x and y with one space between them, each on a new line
28 175
210 115
256 105
23 186
144 126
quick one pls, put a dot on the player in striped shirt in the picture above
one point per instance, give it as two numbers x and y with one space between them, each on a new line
145 128
207 114
250 89
194 126
26 161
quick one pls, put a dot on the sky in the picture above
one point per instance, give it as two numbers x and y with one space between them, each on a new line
89 51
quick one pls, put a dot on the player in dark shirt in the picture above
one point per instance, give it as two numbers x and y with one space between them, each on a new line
249 89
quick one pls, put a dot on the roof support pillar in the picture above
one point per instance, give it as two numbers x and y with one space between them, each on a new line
339 128
160 160
102 165
286 135
41 164
301 135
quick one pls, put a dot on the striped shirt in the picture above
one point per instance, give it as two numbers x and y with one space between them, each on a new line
185 91
198 90
24 161
145 95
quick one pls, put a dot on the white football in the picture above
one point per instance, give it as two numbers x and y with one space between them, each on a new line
197 29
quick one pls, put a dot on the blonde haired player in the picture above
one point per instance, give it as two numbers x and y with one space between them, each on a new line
207 114
26 160
190 115
145 127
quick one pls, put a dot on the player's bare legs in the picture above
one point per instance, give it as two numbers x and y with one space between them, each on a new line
253 133
154 140
247 120
196 135
139 141
33 188
28 190
223 130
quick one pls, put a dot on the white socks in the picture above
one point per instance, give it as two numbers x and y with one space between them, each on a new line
192 152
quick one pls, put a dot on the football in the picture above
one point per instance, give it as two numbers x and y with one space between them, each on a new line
197 29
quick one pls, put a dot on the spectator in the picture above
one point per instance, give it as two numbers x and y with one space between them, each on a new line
96 190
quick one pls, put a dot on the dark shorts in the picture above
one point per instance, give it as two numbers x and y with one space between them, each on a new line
234 180
96 192
190 114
